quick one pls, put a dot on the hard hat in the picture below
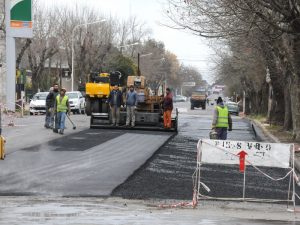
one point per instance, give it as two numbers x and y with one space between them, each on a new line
213 135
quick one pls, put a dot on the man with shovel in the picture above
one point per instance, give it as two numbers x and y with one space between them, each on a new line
62 107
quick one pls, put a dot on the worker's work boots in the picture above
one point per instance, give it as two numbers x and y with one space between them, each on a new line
61 131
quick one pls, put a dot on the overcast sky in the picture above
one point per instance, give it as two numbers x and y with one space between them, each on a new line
190 50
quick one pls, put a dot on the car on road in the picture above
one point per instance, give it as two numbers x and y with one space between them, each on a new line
37 104
179 98
76 101
233 108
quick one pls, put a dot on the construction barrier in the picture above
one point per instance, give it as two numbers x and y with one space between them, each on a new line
255 154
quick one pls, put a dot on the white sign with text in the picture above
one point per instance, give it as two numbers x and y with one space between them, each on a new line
257 153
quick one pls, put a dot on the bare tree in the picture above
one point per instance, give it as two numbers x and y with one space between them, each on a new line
45 44
273 25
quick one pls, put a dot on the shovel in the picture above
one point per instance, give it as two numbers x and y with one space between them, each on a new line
74 127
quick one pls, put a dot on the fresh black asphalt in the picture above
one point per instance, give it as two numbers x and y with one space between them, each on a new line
168 174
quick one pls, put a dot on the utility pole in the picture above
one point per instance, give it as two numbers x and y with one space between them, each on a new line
138 70
139 58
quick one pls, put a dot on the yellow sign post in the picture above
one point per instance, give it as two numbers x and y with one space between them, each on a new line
2 147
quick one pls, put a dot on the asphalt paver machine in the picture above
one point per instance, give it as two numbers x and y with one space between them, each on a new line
149 112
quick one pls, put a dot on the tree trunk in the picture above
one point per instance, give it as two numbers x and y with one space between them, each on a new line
270 100
295 90
276 111
35 83
22 52
295 106
288 123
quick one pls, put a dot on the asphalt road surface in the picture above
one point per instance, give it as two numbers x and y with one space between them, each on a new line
168 174
85 162
110 211
91 163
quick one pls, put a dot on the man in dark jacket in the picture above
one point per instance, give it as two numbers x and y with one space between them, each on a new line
168 107
115 100
221 120
50 102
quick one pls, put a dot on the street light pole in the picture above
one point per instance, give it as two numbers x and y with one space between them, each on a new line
139 56
124 46
138 69
73 48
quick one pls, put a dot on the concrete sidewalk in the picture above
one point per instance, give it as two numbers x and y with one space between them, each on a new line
265 136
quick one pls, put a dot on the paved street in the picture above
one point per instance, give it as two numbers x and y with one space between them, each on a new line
94 163
168 175
95 211
84 162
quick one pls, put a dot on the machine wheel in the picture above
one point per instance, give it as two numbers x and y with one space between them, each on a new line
95 106
88 110
192 107
104 107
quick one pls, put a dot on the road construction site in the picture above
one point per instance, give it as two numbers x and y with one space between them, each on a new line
137 170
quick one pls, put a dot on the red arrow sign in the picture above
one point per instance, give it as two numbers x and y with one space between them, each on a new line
242 155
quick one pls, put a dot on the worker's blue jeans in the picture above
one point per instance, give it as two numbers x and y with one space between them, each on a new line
222 133
49 121
60 121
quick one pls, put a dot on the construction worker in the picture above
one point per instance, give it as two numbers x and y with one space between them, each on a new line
50 102
61 110
131 103
221 120
168 107
115 100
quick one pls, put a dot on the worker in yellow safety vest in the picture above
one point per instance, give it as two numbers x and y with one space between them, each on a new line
221 120
62 107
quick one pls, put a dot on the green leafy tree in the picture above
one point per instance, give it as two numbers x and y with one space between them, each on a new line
124 65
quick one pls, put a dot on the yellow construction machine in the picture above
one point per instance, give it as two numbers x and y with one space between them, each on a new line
97 91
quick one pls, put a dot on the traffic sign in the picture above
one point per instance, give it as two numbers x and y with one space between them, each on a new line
19 13
242 153
189 84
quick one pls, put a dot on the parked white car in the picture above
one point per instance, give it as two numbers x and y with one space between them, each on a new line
37 104
76 101
179 98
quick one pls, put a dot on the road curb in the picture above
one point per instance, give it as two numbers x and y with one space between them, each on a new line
265 131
